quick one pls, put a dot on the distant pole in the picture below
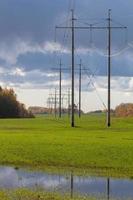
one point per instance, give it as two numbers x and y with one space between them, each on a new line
109 66
69 102
73 63
55 102
80 65
60 90
52 106
49 105
62 103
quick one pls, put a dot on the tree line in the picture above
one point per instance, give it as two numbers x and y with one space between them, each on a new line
124 110
10 107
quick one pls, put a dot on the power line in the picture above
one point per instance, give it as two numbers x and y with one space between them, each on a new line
73 63
90 27
60 69
53 101
93 85
60 86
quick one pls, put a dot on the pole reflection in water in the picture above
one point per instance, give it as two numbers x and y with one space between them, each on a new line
72 184
108 189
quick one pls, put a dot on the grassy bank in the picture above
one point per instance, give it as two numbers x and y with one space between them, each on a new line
45 142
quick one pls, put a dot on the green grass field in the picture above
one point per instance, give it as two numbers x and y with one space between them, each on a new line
45 143
24 194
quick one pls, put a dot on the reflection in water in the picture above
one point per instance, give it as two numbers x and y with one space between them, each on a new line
103 188
72 183
108 188
72 187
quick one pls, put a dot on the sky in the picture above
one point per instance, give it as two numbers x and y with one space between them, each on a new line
29 55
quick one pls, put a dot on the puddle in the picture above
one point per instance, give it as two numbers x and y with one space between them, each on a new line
101 188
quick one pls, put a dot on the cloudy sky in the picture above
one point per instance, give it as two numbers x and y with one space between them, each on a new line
29 54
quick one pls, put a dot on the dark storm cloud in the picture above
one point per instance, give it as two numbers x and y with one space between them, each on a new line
43 62
29 18
26 25
36 19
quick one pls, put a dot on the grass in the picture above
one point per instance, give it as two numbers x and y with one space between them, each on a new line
24 194
45 142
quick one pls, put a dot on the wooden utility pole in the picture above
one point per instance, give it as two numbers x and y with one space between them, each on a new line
109 66
73 62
